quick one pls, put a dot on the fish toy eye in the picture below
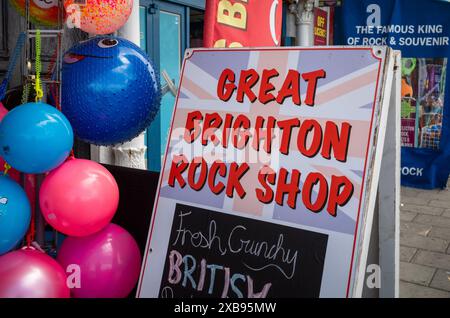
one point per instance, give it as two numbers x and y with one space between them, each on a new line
107 43
46 4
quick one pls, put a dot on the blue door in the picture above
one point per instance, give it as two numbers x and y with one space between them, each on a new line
165 34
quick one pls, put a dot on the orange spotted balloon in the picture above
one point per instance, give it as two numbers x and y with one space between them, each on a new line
42 12
98 16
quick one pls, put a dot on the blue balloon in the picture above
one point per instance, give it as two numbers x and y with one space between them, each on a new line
35 138
110 90
15 214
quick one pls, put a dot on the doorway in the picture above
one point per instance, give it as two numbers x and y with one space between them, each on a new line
167 29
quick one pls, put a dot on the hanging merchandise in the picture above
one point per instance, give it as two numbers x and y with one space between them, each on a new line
110 90
35 137
42 12
421 30
15 214
29 273
109 262
79 198
98 16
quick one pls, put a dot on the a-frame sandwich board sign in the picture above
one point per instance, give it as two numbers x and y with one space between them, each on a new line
270 178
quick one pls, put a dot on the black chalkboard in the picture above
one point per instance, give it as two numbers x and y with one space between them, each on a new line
214 254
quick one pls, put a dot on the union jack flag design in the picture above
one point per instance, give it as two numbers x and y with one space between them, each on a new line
349 88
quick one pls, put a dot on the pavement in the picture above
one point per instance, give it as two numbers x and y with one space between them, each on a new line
425 243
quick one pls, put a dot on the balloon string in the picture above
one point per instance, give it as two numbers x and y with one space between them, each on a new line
7 167
25 93
37 84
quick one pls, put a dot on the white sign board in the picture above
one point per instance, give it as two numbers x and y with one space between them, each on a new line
269 180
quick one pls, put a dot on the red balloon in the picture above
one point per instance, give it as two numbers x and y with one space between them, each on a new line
79 197
29 273
109 262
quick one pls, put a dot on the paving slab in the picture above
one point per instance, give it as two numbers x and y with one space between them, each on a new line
416 228
415 273
407 253
440 232
410 290
446 213
441 221
422 209
443 195
432 259
441 280
407 216
409 192
414 200
423 242
436 203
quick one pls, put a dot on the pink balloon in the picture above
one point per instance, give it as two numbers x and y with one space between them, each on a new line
79 197
3 111
29 273
100 16
109 262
